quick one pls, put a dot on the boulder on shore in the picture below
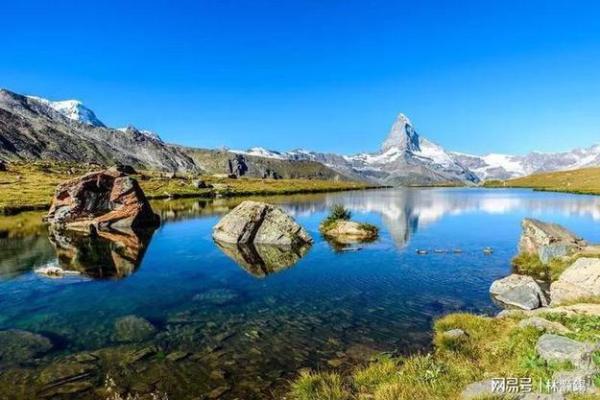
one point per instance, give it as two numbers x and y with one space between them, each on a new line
520 291
579 281
104 200
260 223
348 232
547 240
555 348
3 166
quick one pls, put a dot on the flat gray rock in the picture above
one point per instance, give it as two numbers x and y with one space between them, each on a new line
544 325
578 381
519 291
485 389
555 348
454 334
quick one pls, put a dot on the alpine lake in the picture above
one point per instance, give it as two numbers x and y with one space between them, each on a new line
171 312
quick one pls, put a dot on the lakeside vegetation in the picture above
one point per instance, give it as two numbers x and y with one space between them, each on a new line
490 348
579 181
30 185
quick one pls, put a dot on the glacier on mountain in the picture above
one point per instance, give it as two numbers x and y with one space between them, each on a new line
71 109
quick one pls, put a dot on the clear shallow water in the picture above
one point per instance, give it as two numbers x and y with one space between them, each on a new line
245 335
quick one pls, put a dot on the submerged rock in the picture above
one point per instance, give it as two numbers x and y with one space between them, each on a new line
104 200
520 291
65 377
344 231
217 296
17 346
260 223
548 240
579 281
132 328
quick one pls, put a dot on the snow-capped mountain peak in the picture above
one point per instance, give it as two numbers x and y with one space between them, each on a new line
405 158
71 109
402 135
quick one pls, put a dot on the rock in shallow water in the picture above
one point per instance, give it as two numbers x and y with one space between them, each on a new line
103 200
216 296
132 328
347 232
260 223
17 346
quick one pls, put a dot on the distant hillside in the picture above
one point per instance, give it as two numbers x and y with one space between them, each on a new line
36 129
584 180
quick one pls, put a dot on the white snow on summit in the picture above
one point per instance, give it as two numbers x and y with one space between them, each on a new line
72 109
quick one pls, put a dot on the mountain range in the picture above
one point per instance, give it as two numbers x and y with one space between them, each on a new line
34 128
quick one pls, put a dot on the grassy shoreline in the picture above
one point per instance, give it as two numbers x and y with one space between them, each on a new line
584 181
30 186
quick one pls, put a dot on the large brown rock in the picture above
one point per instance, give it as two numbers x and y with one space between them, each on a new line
548 240
260 223
104 201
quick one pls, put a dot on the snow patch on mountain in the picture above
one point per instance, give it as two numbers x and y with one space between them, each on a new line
71 109
132 129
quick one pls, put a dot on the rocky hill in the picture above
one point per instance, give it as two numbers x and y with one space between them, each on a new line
32 128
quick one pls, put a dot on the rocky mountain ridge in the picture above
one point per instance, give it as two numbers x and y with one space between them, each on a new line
408 158
33 128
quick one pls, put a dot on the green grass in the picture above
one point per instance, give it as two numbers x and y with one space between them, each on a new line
530 264
492 348
31 185
582 181
337 212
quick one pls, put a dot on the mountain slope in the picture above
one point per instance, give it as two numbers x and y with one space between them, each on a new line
405 158
502 166
583 180
32 128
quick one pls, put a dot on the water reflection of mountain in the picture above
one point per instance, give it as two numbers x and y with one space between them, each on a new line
403 211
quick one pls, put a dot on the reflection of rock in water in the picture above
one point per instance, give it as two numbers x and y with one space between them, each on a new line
103 255
261 260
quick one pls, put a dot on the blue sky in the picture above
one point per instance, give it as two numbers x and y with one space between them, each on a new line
474 76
